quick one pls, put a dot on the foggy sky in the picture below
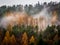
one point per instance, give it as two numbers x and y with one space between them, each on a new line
23 2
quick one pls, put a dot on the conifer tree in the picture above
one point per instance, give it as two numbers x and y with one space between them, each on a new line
6 39
24 39
12 40
32 40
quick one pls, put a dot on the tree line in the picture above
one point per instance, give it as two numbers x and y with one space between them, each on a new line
30 9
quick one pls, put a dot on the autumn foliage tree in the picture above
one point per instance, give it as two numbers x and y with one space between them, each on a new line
9 27
6 39
12 40
24 39
32 41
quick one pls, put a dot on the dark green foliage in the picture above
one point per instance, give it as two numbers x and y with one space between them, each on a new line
30 9
31 44
49 33
17 30
56 42
2 10
40 40
58 27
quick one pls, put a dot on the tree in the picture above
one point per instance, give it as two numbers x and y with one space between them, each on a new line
6 39
16 30
24 39
0 36
2 10
40 40
58 27
49 33
32 40
9 27
12 40
26 8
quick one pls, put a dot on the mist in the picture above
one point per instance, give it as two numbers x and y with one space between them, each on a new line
44 18
11 18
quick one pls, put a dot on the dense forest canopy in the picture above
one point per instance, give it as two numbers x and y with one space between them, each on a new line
30 9
26 30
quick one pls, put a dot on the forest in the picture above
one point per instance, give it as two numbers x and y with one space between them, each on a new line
24 34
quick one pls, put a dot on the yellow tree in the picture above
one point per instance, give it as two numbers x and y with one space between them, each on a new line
6 39
9 27
24 39
12 40
32 41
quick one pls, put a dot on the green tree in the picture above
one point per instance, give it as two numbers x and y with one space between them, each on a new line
40 41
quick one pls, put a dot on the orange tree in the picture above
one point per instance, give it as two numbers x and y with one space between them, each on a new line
24 39
6 39
32 41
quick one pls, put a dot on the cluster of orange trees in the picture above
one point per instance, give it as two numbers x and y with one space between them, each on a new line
12 40
17 35
22 35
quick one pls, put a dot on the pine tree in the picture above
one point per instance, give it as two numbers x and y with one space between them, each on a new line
32 40
24 39
9 27
6 39
12 40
